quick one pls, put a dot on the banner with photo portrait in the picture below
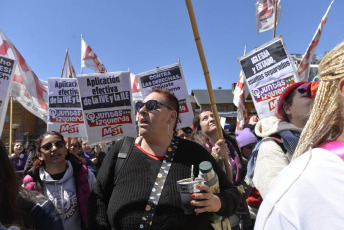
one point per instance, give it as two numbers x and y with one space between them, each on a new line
106 103
170 78
268 70
64 112
6 78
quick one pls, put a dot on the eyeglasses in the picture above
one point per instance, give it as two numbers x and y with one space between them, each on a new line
150 105
49 145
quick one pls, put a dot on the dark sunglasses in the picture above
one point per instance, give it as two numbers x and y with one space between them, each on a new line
150 105
49 145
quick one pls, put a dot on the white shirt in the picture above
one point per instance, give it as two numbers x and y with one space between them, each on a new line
307 194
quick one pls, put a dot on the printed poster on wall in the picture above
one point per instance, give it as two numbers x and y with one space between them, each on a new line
65 113
170 78
268 70
6 77
106 104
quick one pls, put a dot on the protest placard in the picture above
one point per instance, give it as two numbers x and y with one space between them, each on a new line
268 70
6 77
65 113
106 104
170 78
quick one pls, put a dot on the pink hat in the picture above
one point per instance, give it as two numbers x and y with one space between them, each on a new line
284 94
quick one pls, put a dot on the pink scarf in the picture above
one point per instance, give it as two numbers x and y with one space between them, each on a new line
337 147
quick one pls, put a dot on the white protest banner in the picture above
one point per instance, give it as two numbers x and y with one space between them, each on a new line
106 104
268 70
65 113
6 77
170 78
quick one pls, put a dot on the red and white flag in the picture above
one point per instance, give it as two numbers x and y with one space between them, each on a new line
239 101
265 14
27 89
68 69
135 88
90 59
303 70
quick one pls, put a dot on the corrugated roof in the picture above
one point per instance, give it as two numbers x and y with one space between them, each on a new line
192 99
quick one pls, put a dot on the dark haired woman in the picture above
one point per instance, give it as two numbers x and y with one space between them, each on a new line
62 178
291 115
19 157
22 208
75 149
205 133
145 194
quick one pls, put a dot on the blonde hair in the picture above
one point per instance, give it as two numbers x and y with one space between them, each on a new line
326 119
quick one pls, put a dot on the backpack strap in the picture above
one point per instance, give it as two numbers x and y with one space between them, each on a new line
123 155
278 139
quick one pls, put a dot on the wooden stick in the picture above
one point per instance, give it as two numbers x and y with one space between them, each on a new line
64 63
81 57
275 19
11 122
207 77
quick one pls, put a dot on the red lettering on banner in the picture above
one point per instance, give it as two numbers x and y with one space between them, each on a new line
112 130
66 128
183 108
272 104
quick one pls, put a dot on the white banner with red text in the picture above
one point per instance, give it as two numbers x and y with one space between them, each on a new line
169 78
268 70
65 113
106 103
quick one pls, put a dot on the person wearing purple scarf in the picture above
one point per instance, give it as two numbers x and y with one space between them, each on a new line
205 133
88 152
19 157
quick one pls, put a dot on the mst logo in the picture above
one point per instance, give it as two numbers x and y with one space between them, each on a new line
66 128
112 130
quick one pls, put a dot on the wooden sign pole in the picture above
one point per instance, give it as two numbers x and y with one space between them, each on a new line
207 77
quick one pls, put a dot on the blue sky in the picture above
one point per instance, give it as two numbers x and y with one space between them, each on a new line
141 35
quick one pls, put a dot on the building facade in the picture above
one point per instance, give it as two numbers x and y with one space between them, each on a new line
224 103
26 127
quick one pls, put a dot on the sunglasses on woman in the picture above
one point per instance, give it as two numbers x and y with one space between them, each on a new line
49 145
150 105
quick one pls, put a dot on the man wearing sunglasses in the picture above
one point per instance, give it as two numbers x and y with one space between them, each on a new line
146 186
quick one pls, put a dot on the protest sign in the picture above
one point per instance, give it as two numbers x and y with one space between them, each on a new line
65 113
106 104
268 70
6 77
170 78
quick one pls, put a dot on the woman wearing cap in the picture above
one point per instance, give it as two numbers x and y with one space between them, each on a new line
280 135
62 178
145 194
308 194
247 141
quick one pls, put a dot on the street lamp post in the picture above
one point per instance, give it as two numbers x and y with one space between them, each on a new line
14 127
26 135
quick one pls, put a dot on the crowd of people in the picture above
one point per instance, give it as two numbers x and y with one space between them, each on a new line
280 172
